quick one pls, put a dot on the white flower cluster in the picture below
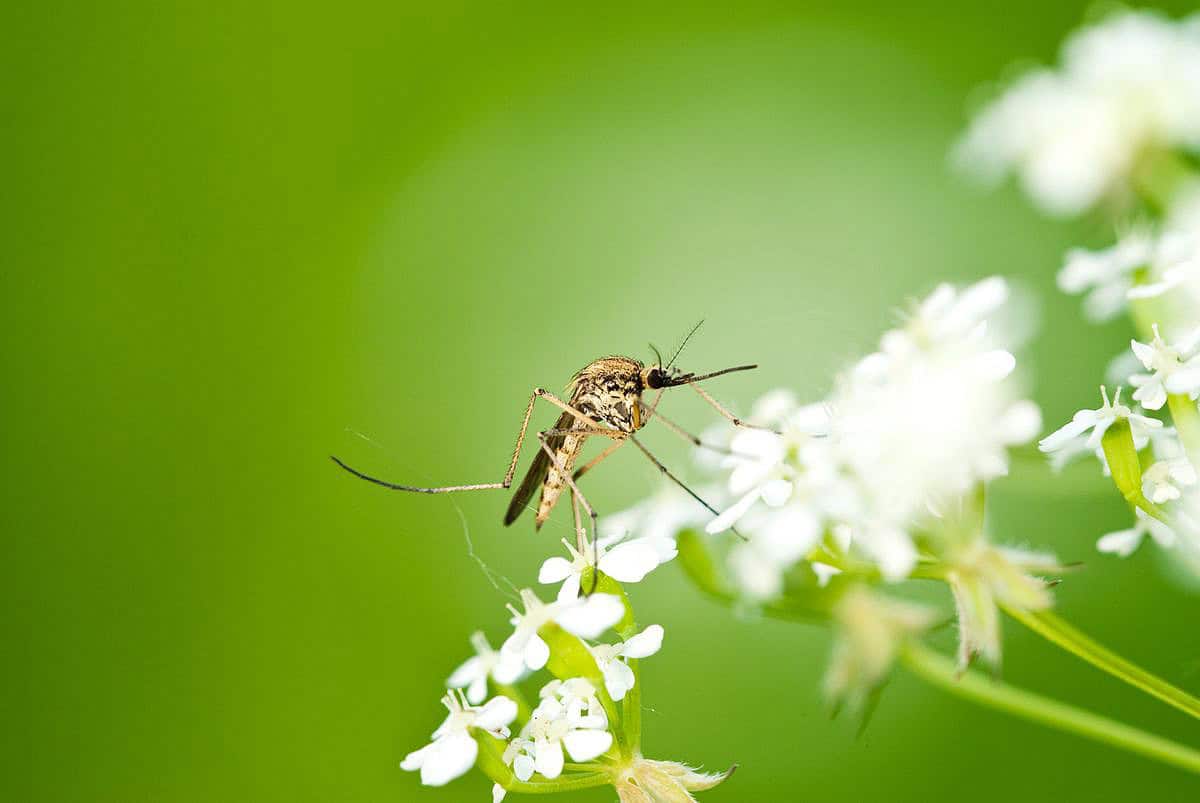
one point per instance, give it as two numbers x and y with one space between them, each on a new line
908 430
569 720
1126 88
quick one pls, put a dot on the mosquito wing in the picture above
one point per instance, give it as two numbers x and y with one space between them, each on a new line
538 470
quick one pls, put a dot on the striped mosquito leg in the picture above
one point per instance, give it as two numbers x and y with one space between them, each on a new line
666 471
687 436
733 419
570 481
538 393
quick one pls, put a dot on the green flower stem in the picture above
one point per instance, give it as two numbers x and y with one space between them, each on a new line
1052 628
1186 416
631 711
943 672
1126 468
491 762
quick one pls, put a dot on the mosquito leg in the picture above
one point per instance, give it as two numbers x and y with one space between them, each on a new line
538 393
716 405
680 483
570 481
614 434
687 436
579 472
579 533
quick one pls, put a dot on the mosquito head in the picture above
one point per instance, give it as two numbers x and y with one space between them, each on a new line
673 377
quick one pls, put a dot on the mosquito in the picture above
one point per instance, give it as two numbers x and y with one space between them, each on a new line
605 401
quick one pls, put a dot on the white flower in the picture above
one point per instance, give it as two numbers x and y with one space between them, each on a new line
871 630
568 717
759 471
498 793
1125 542
946 317
472 674
1162 481
618 677
1098 421
1174 369
453 750
1174 263
626 562
1107 275
587 617
1127 86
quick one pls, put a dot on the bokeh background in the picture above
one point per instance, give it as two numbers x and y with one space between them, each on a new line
241 237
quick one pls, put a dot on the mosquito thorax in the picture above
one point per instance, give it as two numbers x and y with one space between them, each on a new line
609 389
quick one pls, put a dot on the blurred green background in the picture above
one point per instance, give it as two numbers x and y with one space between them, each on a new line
238 236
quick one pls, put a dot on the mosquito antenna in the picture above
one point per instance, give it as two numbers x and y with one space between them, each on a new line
679 350
692 378
657 354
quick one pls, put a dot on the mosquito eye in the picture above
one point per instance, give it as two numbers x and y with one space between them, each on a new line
654 380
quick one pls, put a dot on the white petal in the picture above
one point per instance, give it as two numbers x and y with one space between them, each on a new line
592 616
498 793
554 570
1184 380
644 644
776 492
731 514
629 562
448 758
537 653
995 365
477 690
548 758
466 674
1083 420
499 712
618 679
824 573
1121 542
509 668
523 767
569 589
415 759
584 745
1144 352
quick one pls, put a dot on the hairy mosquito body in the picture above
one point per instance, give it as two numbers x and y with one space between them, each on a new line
604 400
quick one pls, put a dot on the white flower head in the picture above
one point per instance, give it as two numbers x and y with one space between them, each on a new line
1174 263
871 630
586 617
1164 480
611 658
569 717
1106 276
626 561
472 674
453 749
1173 369
1124 543
1071 434
1128 85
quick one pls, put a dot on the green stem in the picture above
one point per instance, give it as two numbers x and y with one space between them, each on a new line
941 671
1186 417
1059 632
631 711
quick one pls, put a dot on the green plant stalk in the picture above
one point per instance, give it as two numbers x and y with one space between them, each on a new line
1123 462
1186 417
942 672
1059 632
